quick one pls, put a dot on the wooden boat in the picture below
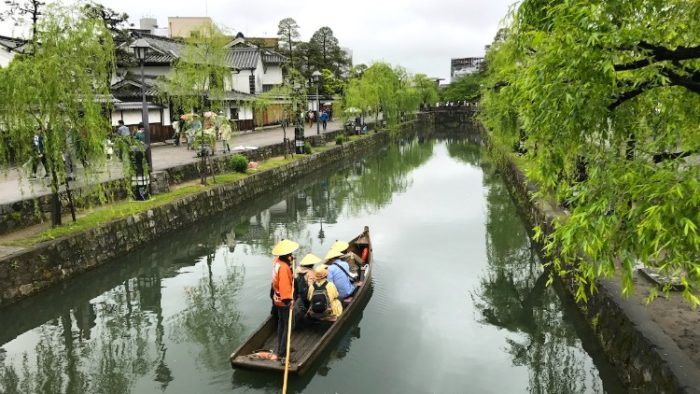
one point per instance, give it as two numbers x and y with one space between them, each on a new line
309 341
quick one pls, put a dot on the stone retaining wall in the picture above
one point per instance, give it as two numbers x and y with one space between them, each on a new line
646 359
31 270
25 213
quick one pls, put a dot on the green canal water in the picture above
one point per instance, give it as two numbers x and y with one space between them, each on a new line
458 304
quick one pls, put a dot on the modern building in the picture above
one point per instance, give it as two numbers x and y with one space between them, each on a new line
464 66
182 26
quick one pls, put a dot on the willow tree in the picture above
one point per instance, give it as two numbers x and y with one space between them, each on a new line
291 95
374 92
200 78
426 89
466 88
608 95
61 88
408 98
386 90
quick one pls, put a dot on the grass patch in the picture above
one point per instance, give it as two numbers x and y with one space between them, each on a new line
229 177
122 209
104 214
278 161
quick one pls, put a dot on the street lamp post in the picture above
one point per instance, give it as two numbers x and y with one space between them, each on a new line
316 78
140 47
298 120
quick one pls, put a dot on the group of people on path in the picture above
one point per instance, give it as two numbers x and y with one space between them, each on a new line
318 290
215 128
70 149
125 133
323 118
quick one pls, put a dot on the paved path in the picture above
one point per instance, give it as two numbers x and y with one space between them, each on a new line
14 187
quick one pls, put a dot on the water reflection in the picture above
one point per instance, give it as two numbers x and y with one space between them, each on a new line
210 318
166 317
513 295
338 348
108 329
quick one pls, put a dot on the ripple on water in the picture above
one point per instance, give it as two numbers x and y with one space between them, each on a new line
380 299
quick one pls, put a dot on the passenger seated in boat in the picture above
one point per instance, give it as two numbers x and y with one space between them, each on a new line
339 274
304 279
323 297
349 256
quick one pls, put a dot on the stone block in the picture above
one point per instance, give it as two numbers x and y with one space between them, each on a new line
27 289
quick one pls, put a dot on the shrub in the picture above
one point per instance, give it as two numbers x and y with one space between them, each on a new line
239 163
339 140
307 148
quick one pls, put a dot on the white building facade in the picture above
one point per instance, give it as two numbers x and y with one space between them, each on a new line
253 71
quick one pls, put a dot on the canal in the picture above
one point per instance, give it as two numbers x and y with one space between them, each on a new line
459 301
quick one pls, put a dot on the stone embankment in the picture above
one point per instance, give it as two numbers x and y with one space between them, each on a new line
646 358
30 211
36 268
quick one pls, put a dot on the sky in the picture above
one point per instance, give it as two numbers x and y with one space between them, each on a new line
420 35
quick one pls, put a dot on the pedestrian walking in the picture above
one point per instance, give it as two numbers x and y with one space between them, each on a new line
109 148
226 136
122 138
140 134
176 132
311 118
122 130
38 153
324 120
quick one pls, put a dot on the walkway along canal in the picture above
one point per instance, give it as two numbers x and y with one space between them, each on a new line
458 303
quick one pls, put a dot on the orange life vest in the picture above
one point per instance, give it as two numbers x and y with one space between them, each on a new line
281 282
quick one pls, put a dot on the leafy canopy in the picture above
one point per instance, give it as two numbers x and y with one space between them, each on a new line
288 33
466 88
200 77
390 91
607 95
61 88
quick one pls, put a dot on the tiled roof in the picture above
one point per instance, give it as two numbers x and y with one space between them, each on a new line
165 50
235 95
127 88
11 43
242 58
264 42
272 57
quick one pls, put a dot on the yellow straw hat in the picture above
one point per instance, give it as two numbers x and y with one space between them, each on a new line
321 272
309 259
333 253
284 246
340 245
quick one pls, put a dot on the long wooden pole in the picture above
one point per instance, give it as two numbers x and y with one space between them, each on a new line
289 336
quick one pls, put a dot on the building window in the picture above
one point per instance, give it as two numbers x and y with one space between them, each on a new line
234 113
267 87
251 83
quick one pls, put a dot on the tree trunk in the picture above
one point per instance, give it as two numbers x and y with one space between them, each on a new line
70 200
203 163
631 144
55 200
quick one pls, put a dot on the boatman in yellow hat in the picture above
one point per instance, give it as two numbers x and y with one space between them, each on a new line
282 292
